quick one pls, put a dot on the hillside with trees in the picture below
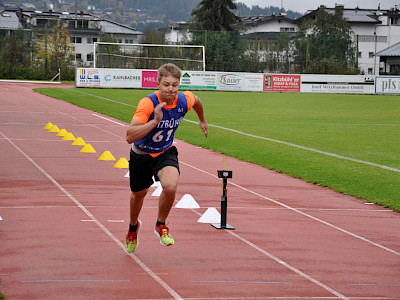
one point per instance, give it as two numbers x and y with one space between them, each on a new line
144 14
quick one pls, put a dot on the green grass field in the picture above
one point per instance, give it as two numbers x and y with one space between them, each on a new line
349 143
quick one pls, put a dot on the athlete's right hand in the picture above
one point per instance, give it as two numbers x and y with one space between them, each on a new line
158 114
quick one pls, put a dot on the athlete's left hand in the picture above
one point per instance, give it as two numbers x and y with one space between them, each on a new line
204 127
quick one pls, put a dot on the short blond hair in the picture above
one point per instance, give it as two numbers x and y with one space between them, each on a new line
169 70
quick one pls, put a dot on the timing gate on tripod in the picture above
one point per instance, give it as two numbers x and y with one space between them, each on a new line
224 174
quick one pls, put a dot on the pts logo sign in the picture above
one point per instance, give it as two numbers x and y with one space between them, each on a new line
387 85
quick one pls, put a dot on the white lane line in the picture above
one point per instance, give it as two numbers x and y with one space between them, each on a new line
303 147
107 99
108 119
278 260
174 294
299 212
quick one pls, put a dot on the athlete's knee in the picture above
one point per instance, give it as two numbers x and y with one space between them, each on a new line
170 187
139 195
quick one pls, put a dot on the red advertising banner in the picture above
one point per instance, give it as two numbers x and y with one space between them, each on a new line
149 79
282 83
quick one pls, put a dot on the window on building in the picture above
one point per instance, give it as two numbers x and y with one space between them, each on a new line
287 29
78 57
370 70
76 40
91 40
82 24
40 22
89 57
370 54
395 21
359 54
119 41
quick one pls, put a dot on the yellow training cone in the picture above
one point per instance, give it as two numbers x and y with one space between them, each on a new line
88 149
122 163
106 156
62 132
78 142
54 128
48 126
69 137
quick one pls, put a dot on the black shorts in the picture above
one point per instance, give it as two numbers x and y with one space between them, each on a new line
142 167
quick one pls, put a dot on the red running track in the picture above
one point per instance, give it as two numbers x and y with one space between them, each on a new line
64 216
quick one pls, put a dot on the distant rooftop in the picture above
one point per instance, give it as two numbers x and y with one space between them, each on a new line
9 20
393 50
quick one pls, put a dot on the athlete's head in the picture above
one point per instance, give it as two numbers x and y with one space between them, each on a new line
169 76
169 70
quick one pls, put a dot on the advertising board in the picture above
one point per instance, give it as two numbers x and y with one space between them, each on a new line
230 82
281 83
87 78
120 78
387 85
198 80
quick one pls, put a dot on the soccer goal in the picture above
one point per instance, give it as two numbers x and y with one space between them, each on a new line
148 56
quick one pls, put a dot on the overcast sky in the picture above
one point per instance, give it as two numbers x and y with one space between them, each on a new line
303 5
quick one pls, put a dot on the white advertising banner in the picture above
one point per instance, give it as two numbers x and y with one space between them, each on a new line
87 78
387 85
198 80
337 88
120 78
253 82
337 84
230 82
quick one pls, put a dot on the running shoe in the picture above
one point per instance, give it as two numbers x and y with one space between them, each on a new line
162 232
132 240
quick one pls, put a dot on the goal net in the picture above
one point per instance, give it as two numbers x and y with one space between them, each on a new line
147 56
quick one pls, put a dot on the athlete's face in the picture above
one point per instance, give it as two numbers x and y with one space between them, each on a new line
168 87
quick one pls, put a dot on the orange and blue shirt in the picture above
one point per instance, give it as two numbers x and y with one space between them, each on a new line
162 136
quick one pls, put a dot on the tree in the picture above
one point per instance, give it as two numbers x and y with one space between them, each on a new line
215 15
55 52
15 52
323 44
214 26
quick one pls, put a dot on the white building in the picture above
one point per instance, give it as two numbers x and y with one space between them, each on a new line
373 30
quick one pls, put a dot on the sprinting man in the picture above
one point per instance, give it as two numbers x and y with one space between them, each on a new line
151 134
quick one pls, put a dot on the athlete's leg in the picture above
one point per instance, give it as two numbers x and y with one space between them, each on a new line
169 177
136 203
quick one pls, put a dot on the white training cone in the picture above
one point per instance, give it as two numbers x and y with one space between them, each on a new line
157 192
187 201
210 216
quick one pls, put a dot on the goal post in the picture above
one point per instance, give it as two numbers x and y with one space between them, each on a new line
148 56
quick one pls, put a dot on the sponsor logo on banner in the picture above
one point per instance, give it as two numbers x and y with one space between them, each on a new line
282 83
387 85
89 78
198 80
121 78
232 82
149 79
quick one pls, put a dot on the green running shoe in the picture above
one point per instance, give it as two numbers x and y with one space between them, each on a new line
132 240
162 232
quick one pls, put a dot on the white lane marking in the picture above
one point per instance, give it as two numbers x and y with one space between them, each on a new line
174 294
298 211
303 147
108 119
